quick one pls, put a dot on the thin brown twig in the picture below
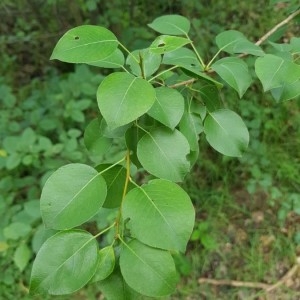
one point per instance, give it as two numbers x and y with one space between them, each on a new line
256 285
259 42
235 283
186 82
276 27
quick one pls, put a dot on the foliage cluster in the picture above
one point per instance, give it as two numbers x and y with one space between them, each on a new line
161 128
36 151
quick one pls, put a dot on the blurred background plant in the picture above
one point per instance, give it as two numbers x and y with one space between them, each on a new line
247 225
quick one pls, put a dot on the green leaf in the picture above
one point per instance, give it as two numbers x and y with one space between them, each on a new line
162 152
160 215
281 47
235 72
171 24
115 180
16 230
183 57
275 72
113 133
114 287
96 144
106 264
122 98
226 132
66 194
168 107
295 43
22 256
195 72
287 91
145 59
115 60
233 41
132 136
41 234
191 126
167 43
13 160
147 270
65 263
86 43
210 96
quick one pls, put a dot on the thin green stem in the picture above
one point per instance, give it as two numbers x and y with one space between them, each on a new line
212 60
163 72
137 125
103 231
125 69
118 162
127 179
129 53
196 52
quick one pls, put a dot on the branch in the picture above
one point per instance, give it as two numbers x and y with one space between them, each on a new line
235 283
186 82
255 285
285 21
259 42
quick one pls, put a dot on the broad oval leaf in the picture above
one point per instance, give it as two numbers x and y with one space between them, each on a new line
106 263
122 98
133 135
295 43
210 96
196 72
65 263
287 92
147 270
191 126
96 144
233 41
226 132
115 60
182 57
162 152
235 72
168 107
115 288
275 72
115 179
86 43
171 24
160 215
167 43
145 63
71 196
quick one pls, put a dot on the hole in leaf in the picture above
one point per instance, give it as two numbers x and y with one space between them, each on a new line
161 45
193 65
76 37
